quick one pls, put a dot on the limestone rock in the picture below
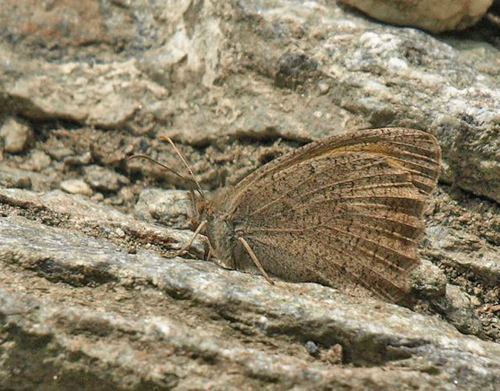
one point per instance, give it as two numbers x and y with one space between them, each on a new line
260 70
14 178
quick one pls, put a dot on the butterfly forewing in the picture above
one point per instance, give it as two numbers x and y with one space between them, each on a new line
417 151
344 211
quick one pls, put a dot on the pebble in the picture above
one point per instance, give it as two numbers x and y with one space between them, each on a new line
169 207
16 135
60 153
312 348
323 88
15 180
127 194
78 160
76 186
427 280
38 161
97 197
333 356
103 179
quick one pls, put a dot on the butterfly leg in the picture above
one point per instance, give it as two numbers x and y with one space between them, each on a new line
211 250
255 260
196 233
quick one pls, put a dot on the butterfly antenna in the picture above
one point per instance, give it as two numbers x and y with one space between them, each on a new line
169 140
145 157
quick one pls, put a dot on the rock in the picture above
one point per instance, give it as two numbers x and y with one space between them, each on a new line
80 160
140 320
94 298
22 179
456 307
76 186
17 136
38 161
60 153
103 179
312 348
97 197
85 216
429 15
427 281
15 179
450 247
333 355
169 207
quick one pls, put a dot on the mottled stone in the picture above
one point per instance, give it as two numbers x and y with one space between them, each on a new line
38 161
463 250
14 179
169 207
17 136
88 283
24 179
260 70
96 220
427 280
103 179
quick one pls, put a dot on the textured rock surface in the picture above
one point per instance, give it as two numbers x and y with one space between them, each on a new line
171 208
85 295
81 302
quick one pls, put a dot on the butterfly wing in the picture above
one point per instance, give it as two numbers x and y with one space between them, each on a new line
344 211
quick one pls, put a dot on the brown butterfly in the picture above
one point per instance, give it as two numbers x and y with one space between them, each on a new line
345 211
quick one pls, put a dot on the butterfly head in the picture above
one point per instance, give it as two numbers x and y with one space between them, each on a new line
202 210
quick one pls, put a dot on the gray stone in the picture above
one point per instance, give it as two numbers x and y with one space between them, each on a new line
80 160
76 186
38 161
15 179
17 136
312 348
103 179
96 220
169 207
434 16
428 280
86 291
449 245
457 308
22 179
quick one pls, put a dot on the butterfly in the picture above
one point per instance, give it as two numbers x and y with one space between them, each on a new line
344 211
